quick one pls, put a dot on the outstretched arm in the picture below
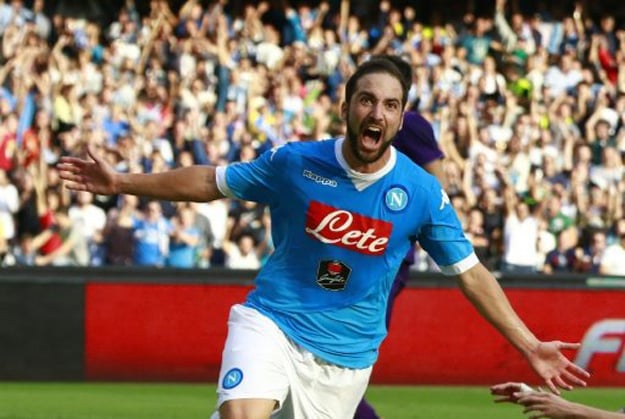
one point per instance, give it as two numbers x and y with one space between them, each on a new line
547 405
485 293
194 183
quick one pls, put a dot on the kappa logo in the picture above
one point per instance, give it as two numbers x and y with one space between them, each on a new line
444 199
232 378
604 337
319 179
274 151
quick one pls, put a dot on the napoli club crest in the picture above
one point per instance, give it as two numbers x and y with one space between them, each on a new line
332 275
396 198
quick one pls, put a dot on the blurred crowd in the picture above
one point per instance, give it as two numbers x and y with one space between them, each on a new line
529 111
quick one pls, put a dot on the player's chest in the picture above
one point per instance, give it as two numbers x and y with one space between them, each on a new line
368 220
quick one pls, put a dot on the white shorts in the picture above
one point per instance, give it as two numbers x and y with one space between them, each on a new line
260 362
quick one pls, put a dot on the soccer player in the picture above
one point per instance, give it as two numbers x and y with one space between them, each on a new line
344 213
541 404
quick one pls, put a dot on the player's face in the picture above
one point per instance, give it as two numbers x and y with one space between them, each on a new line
373 115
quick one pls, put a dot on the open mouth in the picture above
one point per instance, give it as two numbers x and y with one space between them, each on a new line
371 137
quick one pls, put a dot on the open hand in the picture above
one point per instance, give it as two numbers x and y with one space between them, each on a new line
94 175
556 369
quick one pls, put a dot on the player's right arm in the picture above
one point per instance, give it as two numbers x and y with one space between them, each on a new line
443 238
95 175
483 291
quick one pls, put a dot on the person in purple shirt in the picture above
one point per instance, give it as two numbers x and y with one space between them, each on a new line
416 140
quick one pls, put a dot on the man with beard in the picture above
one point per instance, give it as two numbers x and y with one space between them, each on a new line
344 213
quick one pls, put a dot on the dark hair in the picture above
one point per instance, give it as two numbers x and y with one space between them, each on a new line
379 64
402 65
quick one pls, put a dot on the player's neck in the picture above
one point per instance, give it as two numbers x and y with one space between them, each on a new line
356 164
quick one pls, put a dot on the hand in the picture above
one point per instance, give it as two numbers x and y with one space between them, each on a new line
509 392
555 368
95 175
545 405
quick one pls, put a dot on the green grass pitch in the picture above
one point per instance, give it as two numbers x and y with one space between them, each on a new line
34 400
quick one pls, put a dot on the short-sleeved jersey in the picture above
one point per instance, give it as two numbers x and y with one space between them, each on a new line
339 238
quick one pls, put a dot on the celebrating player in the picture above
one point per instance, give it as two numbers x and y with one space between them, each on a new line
344 213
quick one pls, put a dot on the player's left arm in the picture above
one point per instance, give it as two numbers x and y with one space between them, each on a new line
546 358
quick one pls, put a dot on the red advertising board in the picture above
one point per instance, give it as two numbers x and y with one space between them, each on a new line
160 332
437 337
176 332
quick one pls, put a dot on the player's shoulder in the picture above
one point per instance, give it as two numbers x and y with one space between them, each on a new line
302 149
419 177
312 146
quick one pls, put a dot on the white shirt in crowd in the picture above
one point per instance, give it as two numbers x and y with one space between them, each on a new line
520 238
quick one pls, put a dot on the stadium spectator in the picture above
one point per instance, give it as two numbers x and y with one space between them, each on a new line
91 220
73 249
184 239
242 253
119 240
588 257
520 236
205 248
612 259
557 221
9 204
151 236
562 259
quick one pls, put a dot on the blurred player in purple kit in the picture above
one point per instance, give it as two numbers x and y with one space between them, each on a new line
344 213
416 140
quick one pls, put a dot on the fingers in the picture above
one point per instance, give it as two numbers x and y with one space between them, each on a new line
505 388
561 383
74 186
579 371
68 167
573 378
93 155
552 387
568 345
71 160
502 400
71 177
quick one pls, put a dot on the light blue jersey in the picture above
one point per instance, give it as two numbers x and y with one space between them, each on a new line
339 238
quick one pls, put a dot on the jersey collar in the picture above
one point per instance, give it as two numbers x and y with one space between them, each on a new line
362 180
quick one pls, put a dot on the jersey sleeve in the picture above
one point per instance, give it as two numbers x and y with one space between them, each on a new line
258 180
443 238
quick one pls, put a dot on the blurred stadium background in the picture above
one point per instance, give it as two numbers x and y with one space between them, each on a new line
131 342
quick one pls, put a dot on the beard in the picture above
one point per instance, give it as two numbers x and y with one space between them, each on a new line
352 142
